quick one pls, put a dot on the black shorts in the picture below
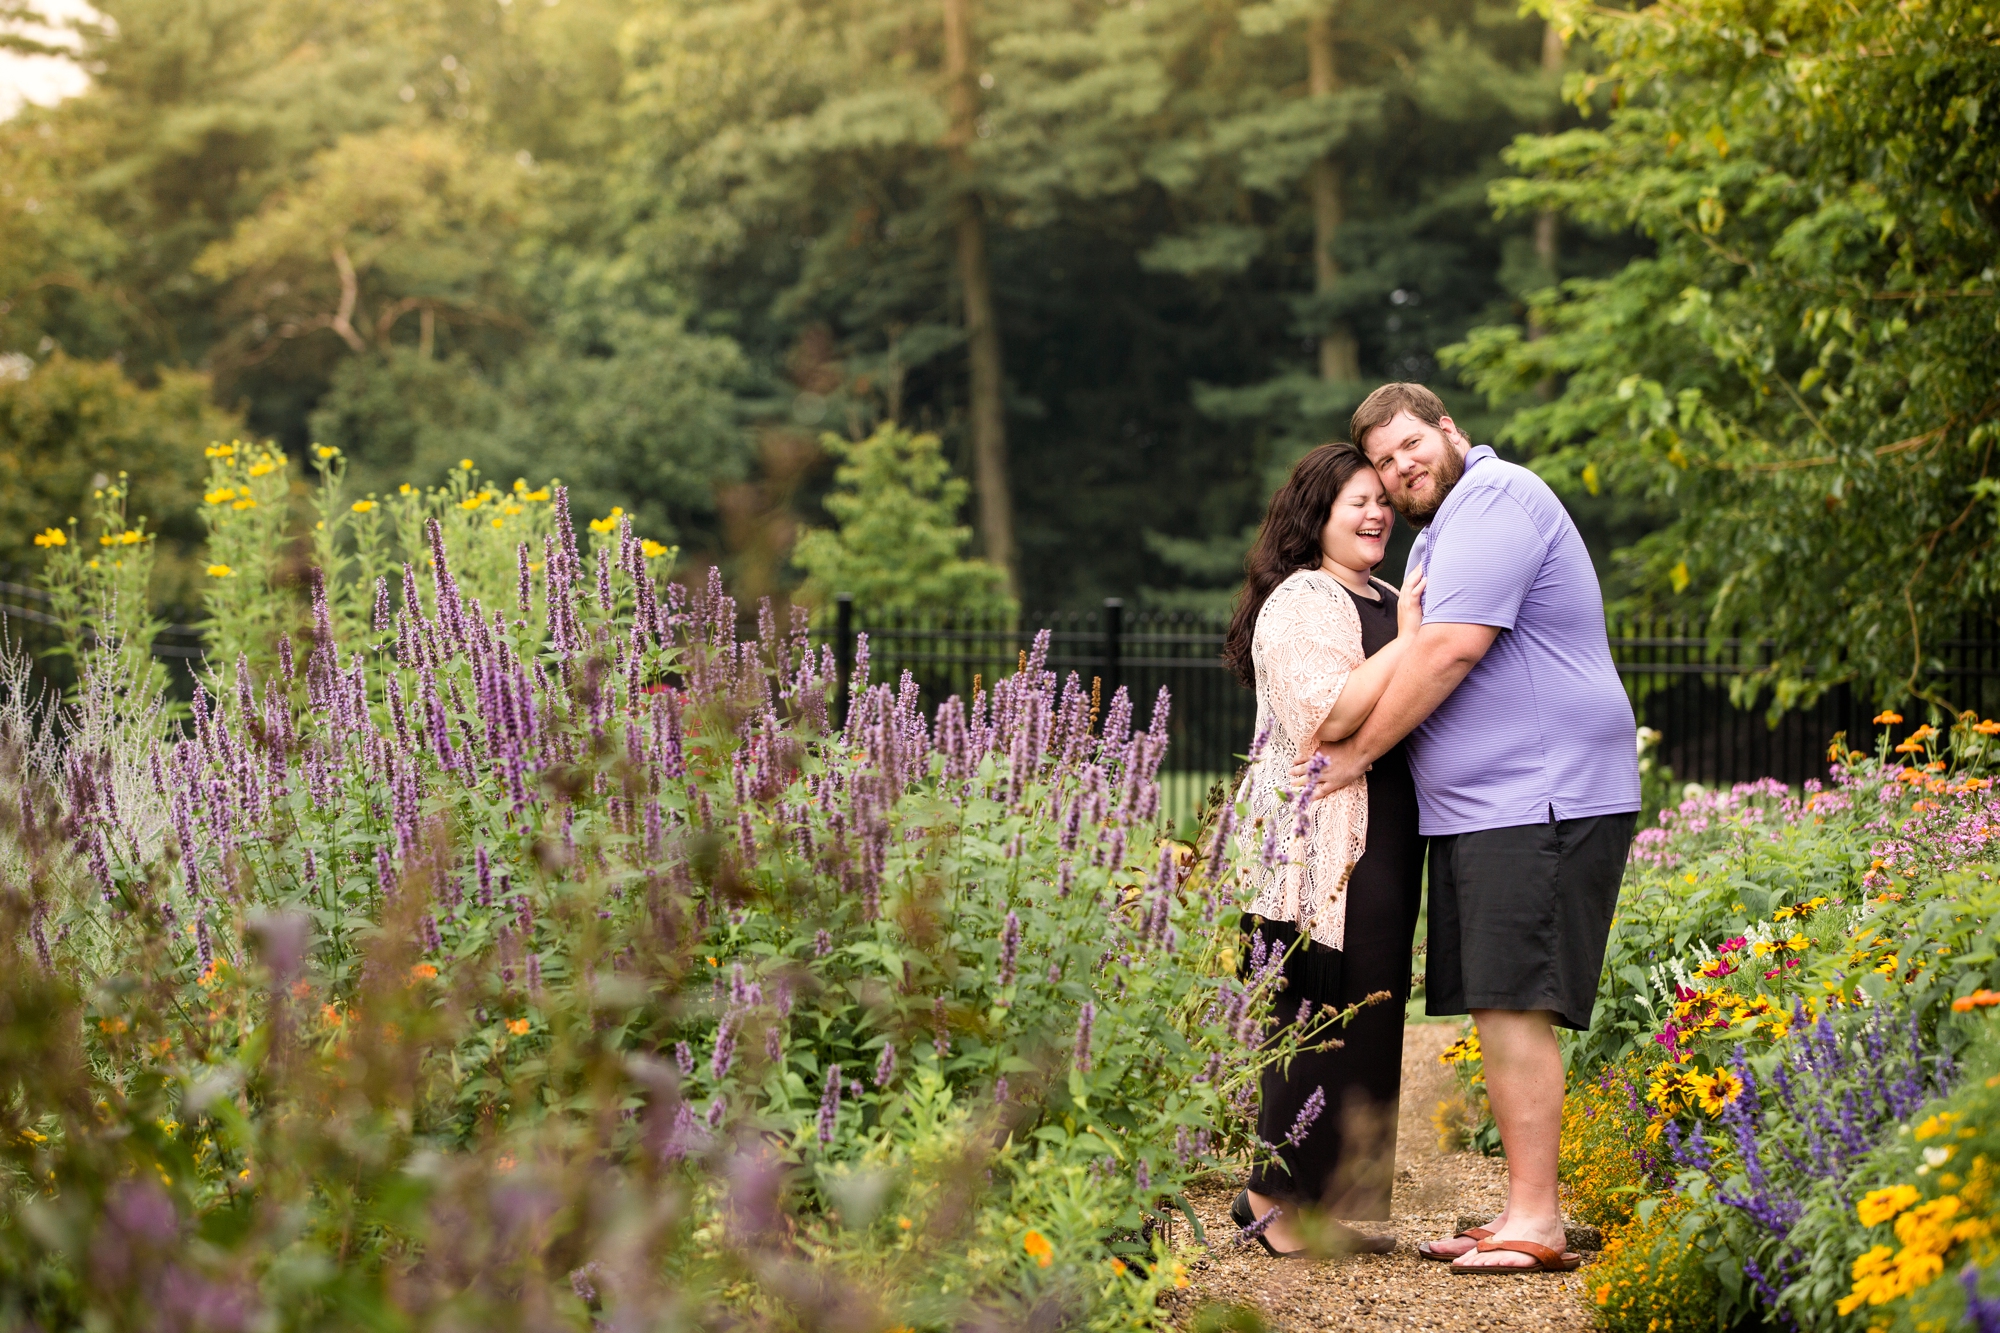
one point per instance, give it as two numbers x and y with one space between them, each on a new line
1519 916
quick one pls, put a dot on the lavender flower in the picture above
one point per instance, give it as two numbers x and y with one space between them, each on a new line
1982 1312
885 1068
1085 1018
684 1058
725 1048
829 1105
1310 1112
1010 944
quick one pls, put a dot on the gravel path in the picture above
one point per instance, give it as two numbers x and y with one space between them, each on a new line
1393 1291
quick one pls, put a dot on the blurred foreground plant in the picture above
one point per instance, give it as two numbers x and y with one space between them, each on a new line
506 943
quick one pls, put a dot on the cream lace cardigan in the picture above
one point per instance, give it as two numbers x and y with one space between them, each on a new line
1308 639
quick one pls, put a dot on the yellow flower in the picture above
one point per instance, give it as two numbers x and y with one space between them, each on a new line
1463 1051
1936 1125
1798 944
510 509
473 501
220 495
404 489
499 522
263 467
221 572
1038 1248
1180 1276
1878 1206
652 550
465 464
51 537
362 506
324 451
609 523
542 495
245 503
220 451
1717 1090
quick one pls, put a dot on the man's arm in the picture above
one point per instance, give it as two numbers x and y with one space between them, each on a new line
1432 668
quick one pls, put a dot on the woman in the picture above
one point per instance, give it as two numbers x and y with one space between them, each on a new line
1319 638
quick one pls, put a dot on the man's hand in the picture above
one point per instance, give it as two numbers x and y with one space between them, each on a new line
1344 764
1428 673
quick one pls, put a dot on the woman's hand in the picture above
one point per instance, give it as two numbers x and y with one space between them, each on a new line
1410 605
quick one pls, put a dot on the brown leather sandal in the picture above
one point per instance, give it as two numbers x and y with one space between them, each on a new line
1546 1260
1424 1251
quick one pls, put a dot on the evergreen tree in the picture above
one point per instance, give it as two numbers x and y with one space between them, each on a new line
898 546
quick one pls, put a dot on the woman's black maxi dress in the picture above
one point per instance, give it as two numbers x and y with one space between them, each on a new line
1345 1165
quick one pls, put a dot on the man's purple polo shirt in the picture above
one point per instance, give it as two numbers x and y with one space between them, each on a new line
1540 728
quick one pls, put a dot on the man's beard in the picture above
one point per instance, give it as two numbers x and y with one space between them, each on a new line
1419 512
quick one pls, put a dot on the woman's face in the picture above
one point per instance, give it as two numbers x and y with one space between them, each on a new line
1357 531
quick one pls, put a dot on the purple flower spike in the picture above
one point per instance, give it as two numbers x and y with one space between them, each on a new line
1982 1312
1010 944
829 1105
1308 1113
1085 1020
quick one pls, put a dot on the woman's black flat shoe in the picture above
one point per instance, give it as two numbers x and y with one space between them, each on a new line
1240 1214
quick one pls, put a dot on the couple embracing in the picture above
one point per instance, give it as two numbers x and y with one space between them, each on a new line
1477 710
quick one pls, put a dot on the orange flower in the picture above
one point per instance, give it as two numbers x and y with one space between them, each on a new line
423 972
1988 727
1887 719
1038 1248
518 1026
1979 999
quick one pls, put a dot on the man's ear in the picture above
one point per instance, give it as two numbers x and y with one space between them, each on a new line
1454 435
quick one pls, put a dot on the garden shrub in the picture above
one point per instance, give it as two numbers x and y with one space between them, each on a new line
1791 979
506 941
1611 1157
1649 1279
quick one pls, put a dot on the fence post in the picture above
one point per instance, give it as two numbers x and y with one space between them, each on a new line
1114 628
843 653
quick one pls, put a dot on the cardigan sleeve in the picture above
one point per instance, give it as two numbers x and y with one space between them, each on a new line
1309 652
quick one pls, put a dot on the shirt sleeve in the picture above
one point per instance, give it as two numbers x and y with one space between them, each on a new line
1483 562
1306 668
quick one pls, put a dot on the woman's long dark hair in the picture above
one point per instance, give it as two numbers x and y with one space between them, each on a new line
1288 542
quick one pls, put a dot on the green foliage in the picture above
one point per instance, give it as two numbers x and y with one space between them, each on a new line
897 547
69 428
1791 978
1802 374
1650 1280
628 408
516 947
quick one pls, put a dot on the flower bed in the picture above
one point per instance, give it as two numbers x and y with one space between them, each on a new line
1785 1107
504 941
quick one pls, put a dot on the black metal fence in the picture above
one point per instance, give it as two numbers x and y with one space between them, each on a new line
1679 683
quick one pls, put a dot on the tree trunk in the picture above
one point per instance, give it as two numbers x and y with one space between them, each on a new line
975 283
1338 358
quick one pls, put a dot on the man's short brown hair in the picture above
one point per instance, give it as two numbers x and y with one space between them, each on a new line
1378 407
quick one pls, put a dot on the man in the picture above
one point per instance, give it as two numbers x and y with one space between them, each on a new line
1521 742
